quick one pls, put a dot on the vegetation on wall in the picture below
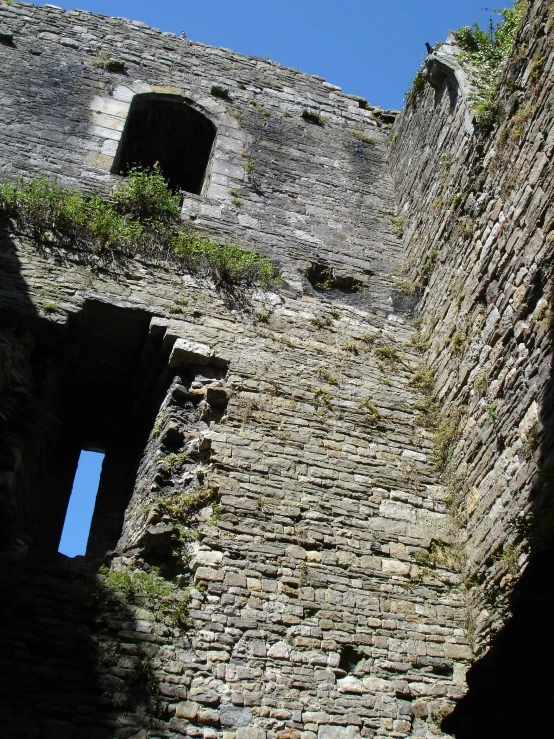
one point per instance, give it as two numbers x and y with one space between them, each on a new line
416 88
141 218
130 585
484 56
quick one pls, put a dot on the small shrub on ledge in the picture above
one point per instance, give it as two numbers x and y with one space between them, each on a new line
316 118
220 92
142 218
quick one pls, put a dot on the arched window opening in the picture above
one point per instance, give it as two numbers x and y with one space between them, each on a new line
163 129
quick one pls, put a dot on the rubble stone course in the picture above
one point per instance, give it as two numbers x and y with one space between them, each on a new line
319 576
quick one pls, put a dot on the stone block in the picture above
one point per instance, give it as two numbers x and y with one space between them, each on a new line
330 731
233 716
279 650
251 732
208 573
185 352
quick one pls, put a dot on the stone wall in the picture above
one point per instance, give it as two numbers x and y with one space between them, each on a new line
478 223
310 190
291 562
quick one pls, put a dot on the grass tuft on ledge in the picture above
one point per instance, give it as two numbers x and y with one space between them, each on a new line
142 218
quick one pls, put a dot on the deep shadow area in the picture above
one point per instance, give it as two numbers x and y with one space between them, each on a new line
511 687
164 130
112 375
67 671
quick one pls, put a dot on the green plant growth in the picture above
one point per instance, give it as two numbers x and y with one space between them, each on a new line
458 343
397 226
481 383
371 412
537 68
142 218
104 60
350 346
421 341
532 439
182 506
484 56
316 118
157 427
492 415
320 322
445 437
371 338
250 166
322 397
259 107
423 379
441 554
165 597
219 92
406 287
387 354
416 89
363 137
324 374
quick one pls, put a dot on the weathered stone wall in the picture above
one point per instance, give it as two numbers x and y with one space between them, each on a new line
270 457
314 191
478 223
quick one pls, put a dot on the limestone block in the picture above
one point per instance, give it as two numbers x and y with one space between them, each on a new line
279 650
184 352
338 732
207 573
350 684
250 732
258 648
187 709
206 559
205 696
296 552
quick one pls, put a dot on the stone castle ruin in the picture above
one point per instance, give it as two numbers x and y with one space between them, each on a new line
325 510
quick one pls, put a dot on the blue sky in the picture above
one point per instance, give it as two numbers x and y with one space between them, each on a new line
81 505
368 47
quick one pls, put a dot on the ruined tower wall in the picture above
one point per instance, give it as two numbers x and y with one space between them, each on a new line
303 188
478 226
269 453
261 449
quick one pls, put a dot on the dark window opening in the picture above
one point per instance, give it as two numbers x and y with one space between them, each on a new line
79 513
109 373
164 130
349 658
323 278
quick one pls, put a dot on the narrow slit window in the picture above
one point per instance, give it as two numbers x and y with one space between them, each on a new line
81 504
164 130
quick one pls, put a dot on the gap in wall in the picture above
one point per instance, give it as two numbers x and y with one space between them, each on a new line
80 509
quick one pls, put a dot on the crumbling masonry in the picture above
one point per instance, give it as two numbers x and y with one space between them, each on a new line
319 517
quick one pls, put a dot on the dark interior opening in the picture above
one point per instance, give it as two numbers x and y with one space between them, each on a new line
349 658
108 372
165 130
323 278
